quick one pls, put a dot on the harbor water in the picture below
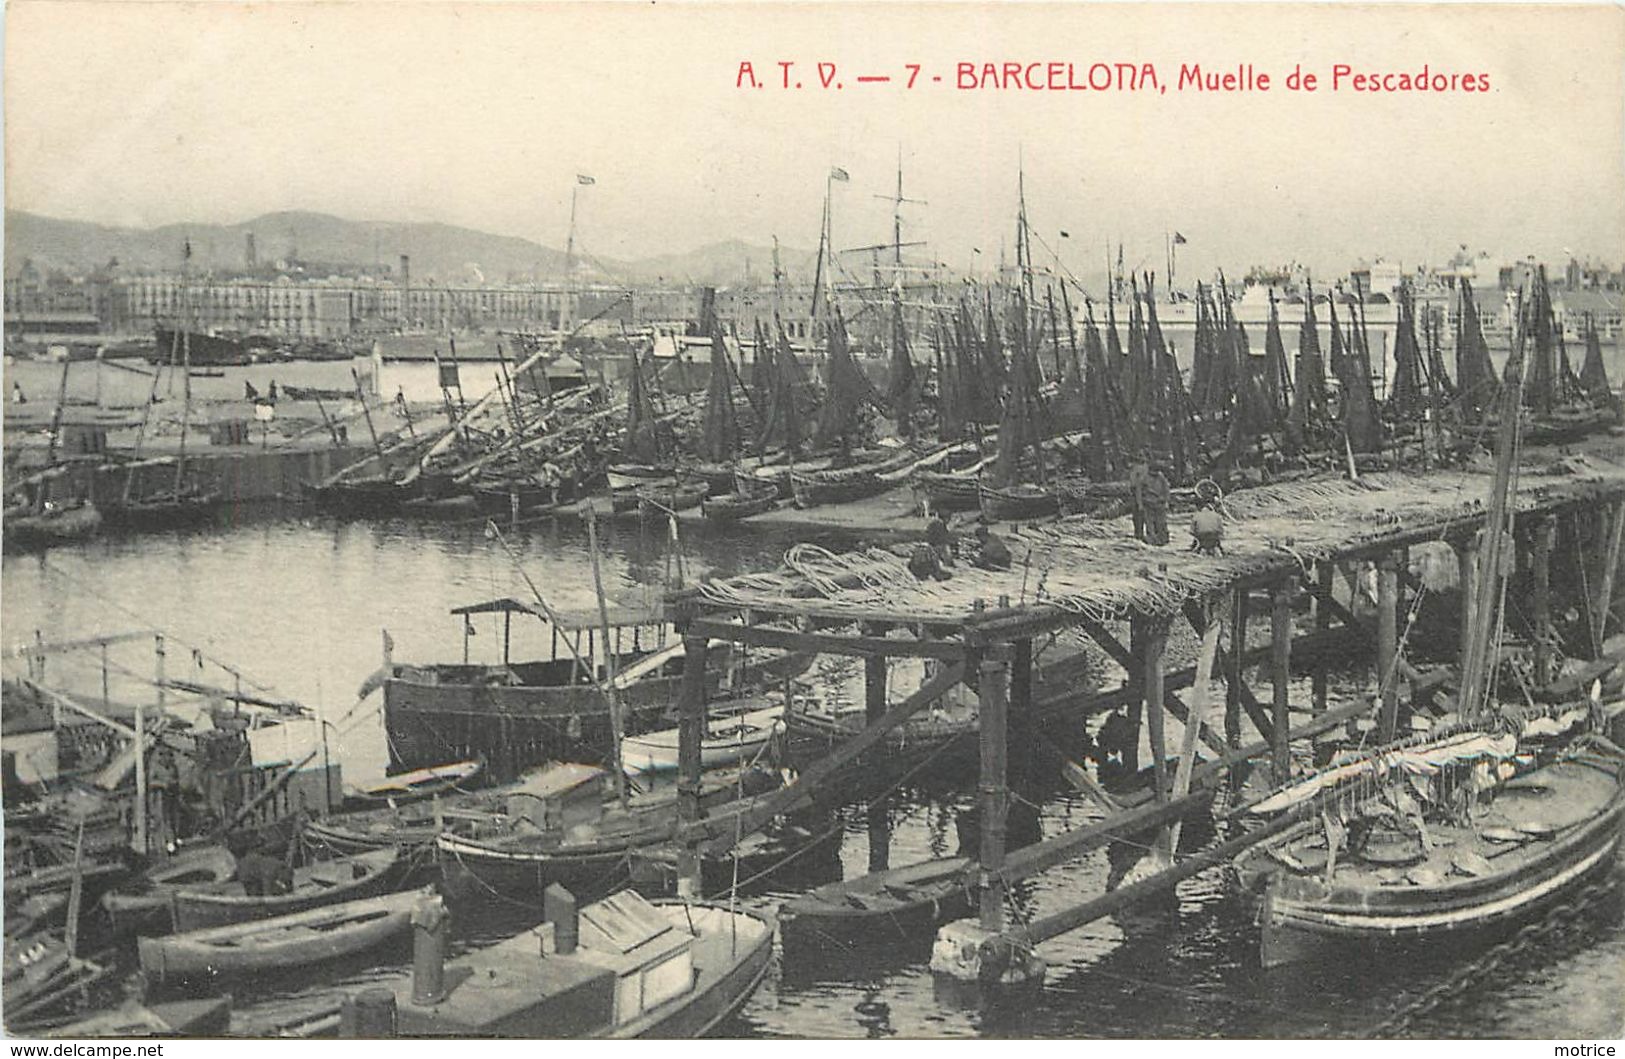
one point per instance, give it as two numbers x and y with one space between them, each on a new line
300 602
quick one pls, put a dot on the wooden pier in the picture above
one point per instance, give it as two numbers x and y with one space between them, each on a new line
1328 542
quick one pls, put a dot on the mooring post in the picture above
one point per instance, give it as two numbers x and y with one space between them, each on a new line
1324 572
690 733
1233 671
431 931
874 706
1388 644
1541 569
993 789
1281 679
1466 549
1020 727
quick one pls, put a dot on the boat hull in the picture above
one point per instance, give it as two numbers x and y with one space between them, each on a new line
1301 918
371 874
281 942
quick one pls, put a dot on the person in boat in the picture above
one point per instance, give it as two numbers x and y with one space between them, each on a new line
991 552
1155 498
270 393
938 536
1207 530
163 778
263 873
17 393
249 393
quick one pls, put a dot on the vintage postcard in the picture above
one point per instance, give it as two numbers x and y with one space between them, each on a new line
813 520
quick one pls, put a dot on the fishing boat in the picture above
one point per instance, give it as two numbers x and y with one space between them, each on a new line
417 784
358 497
301 939
646 455
1376 882
144 902
749 497
839 485
658 500
52 524
950 490
728 740
519 714
658 969
566 825
894 907
316 885
557 828
411 829
189 505
1016 503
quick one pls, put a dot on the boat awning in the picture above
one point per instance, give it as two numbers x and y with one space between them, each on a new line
497 606
621 615
559 778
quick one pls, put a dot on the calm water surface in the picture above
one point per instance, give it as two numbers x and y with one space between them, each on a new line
298 602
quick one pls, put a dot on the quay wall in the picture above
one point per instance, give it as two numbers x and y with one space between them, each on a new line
241 475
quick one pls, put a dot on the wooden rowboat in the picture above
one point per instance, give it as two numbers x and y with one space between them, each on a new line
144 902
297 940
749 498
315 885
656 500
727 741
418 784
1018 502
888 907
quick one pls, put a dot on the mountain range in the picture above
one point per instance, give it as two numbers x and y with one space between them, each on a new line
440 253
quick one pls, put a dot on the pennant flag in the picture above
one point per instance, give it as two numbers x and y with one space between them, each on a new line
837 173
1065 234
1179 239
584 180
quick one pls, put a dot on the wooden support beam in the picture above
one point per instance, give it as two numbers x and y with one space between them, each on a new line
1057 923
1541 572
826 643
1154 642
993 792
690 734
1041 856
1233 666
1325 571
1388 645
1124 657
1205 658
1020 734
1281 678
1136 702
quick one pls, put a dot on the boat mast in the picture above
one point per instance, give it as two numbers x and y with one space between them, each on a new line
1476 659
186 365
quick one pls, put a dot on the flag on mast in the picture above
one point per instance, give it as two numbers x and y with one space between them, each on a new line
1179 239
584 180
837 173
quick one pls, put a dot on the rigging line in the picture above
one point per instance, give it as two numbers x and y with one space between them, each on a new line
234 670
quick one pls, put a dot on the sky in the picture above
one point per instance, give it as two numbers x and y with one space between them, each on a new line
484 115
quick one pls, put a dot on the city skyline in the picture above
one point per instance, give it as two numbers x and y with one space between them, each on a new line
486 117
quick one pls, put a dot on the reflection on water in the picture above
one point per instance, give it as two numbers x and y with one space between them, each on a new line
299 601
